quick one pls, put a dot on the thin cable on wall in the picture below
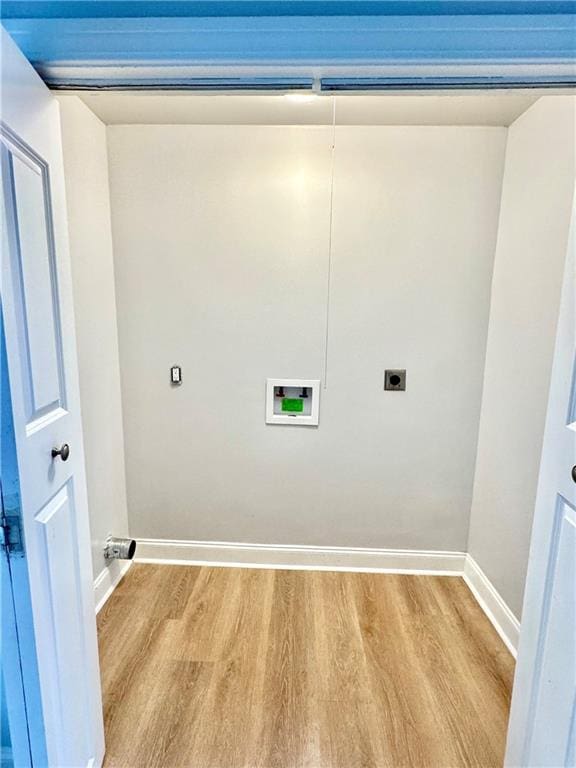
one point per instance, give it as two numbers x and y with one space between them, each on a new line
329 266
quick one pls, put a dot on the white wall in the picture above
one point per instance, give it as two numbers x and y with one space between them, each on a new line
87 192
221 244
536 203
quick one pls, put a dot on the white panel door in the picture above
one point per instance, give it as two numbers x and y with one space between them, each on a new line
542 729
40 342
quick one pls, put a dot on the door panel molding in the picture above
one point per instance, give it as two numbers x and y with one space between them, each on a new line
28 278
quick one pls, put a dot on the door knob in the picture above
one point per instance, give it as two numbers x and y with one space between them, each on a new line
63 452
574 473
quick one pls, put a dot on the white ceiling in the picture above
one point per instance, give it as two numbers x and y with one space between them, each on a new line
498 108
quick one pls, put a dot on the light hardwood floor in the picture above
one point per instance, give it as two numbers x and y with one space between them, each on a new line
229 668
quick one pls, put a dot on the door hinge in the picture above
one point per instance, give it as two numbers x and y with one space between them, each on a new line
11 534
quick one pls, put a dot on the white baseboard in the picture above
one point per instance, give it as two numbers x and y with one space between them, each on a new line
300 557
107 581
502 618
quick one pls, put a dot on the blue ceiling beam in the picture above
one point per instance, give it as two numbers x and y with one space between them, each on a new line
326 44
354 40
94 9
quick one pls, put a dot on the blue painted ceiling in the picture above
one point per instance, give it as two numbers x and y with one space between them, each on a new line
93 9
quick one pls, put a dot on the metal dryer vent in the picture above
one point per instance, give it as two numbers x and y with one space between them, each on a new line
119 549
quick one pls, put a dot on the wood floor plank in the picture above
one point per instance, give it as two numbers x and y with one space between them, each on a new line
232 699
131 627
287 708
206 667
407 714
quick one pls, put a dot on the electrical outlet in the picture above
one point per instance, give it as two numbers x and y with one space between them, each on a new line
395 380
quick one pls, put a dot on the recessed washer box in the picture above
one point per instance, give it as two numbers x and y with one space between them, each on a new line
294 402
